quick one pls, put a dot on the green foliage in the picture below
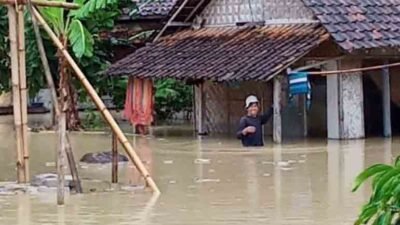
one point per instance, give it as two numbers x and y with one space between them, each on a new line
91 7
93 120
82 28
171 96
34 70
80 38
383 207
4 48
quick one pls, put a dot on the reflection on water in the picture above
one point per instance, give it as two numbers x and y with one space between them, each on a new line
204 181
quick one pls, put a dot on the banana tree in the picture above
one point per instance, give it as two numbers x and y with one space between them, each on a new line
71 29
383 207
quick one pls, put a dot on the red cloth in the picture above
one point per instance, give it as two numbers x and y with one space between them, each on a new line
139 101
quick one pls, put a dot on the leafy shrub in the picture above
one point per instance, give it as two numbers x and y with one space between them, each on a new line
171 96
383 207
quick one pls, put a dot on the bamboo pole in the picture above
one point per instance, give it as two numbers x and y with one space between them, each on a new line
60 158
23 90
114 171
12 16
50 84
355 70
100 105
44 3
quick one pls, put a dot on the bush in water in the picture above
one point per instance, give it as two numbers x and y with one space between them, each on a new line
383 207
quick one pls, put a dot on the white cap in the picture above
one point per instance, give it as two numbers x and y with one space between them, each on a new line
251 99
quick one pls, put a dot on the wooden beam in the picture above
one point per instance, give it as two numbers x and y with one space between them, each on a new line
100 105
62 127
43 3
180 24
277 133
114 166
194 11
386 102
202 110
316 65
170 20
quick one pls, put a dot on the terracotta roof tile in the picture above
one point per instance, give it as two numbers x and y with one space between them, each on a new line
358 24
149 10
222 54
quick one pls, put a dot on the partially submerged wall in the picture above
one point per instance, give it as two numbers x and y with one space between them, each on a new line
6 99
224 104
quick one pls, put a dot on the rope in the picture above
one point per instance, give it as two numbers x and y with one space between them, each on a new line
333 72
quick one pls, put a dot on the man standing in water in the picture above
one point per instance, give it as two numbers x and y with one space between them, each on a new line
250 126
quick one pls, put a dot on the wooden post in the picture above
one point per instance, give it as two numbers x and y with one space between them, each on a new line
194 108
114 172
60 157
303 100
201 129
56 109
100 105
277 136
72 164
12 16
386 102
23 90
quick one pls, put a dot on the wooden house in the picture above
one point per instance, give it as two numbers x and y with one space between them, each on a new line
235 48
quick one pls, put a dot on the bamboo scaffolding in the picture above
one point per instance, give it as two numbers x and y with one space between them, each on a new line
12 16
50 84
43 3
100 105
23 90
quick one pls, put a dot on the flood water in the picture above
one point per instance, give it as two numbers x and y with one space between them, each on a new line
204 181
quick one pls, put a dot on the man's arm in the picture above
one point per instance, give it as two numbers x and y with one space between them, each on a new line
267 115
242 126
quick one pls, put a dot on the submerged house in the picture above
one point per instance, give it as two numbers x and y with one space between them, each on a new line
236 48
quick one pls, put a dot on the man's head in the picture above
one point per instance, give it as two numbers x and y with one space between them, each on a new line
252 106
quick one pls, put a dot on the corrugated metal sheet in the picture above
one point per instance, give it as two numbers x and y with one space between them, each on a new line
360 24
222 54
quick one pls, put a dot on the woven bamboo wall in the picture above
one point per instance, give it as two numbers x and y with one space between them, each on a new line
228 12
225 104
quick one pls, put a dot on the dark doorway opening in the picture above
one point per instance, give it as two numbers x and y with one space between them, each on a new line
372 107
317 114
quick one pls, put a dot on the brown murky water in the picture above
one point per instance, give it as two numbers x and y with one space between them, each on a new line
205 181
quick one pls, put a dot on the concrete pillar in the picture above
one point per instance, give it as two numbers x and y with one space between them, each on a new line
277 95
332 85
345 102
386 101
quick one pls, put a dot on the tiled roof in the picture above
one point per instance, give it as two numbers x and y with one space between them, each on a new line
151 9
156 7
360 24
222 54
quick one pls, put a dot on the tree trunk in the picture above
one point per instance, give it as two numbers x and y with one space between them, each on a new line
66 84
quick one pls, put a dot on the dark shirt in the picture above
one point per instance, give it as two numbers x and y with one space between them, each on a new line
256 138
